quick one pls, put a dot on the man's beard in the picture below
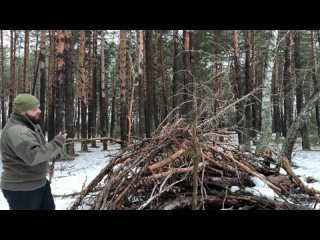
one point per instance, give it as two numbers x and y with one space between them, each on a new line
33 119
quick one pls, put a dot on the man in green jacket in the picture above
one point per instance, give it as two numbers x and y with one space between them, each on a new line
25 157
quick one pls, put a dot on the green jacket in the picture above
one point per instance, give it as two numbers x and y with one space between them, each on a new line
25 154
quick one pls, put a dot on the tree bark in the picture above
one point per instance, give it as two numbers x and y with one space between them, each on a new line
103 108
3 114
142 84
149 84
26 63
289 141
123 109
43 80
51 88
299 91
266 118
287 83
60 116
84 144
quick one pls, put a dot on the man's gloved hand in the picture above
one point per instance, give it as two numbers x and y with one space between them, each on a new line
63 134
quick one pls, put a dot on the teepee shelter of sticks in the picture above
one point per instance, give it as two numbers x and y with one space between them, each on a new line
157 173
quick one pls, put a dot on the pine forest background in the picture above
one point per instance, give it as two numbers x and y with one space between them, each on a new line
127 84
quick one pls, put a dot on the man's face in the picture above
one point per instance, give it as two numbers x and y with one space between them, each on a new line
34 115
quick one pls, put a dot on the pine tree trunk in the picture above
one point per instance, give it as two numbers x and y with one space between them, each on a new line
43 79
36 66
26 63
253 84
175 82
90 90
164 104
3 113
84 144
103 109
155 82
69 90
51 92
123 109
113 102
248 115
149 84
12 69
237 86
142 85
94 90
187 84
60 116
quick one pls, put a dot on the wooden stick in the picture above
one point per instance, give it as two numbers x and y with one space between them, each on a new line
283 161
229 155
173 171
72 140
169 159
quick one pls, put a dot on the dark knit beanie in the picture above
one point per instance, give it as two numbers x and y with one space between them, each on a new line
25 102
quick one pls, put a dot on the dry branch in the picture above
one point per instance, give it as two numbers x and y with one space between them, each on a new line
73 140
172 171
157 173
283 161
167 160
229 155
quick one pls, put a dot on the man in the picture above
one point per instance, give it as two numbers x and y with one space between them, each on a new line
25 157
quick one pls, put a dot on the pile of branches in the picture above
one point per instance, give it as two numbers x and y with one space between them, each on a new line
157 173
